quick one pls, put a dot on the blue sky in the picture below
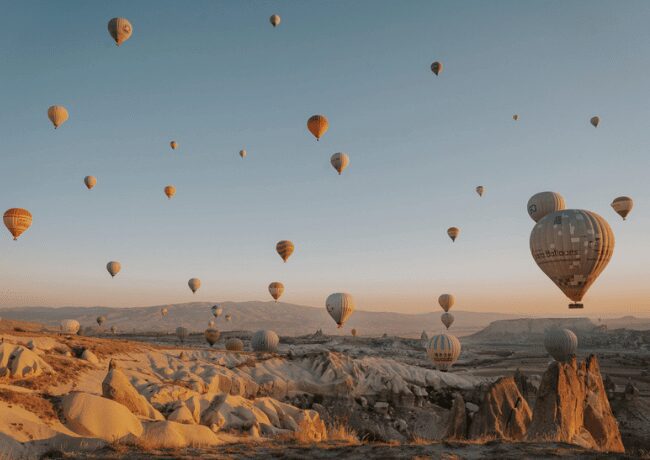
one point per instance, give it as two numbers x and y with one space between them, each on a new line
216 77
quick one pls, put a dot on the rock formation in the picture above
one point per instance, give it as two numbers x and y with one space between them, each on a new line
116 386
457 425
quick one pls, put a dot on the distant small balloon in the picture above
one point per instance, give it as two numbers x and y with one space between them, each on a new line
17 221
194 284
436 68
173 145
170 191
57 115
318 125
447 319
216 311
275 20
284 248
480 190
444 350
113 329
182 333
70 326
90 182
622 205
446 301
265 341
234 344
543 203
453 233
276 289
113 268
212 336
340 161
101 320
228 317
164 311
120 29
340 306
560 343
211 323
353 332
595 121
515 117
242 153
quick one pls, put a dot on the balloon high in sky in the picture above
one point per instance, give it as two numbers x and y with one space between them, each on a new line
419 145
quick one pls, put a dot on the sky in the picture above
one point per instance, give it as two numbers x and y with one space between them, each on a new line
216 77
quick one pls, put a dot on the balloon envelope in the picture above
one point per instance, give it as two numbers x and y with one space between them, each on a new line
561 344
173 145
264 340
447 319
17 220
594 121
275 20
276 289
194 284
120 29
623 205
515 117
340 306
101 320
212 336
543 203
170 191
480 190
318 125
57 115
444 350
90 182
113 268
453 233
182 333
70 326
340 161
242 153
285 249
216 311
446 301
436 67
234 344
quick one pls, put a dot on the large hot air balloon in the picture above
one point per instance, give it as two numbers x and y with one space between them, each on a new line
480 190
120 29
572 247
228 317
113 268
543 203
561 344
515 117
436 68
242 153
194 284
265 340
70 326
285 249
182 333
453 233
340 307
446 301
17 220
170 191
276 289
623 205
594 121
101 320
340 161
212 336
216 311
447 319
164 311
57 115
275 20
317 125
173 145
443 350
90 182
234 344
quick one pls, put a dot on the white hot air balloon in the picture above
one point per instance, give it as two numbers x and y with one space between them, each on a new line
340 307
561 344
265 341
443 350
70 326
543 203
447 319
340 161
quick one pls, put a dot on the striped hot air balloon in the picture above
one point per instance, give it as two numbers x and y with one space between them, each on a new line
234 344
622 205
285 249
443 350
340 306
318 125
17 220
560 343
266 341
543 203
276 289
446 301
120 29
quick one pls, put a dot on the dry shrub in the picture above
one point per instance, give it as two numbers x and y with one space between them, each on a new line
30 402
418 441
340 431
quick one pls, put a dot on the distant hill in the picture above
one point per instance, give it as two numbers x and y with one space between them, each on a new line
284 318
524 330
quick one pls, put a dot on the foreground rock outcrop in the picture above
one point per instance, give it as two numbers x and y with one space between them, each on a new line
572 406
116 386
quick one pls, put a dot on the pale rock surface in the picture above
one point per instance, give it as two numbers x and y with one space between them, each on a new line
171 435
182 415
116 386
17 361
89 356
457 425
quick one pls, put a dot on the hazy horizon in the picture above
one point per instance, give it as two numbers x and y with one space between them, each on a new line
218 78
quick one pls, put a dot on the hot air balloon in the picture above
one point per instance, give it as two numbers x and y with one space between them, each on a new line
57 115
17 220
453 233
182 333
90 182
317 125
234 344
572 247
216 311
113 268
212 336
276 289
194 284
543 203
113 329
340 307
275 20
515 117
265 340
623 205
101 320
561 344
285 249
446 301
173 145
164 311
443 350
353 332
70 326
480 189
447 319
120 29
211 323
595 121
340 161
170 191
436 68
228 317
242 153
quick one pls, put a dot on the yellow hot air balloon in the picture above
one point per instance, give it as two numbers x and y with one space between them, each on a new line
170 191
543 203
17 220
436 67
57 115
120 29
242 153
594 121
340 161
194 284
453 233
285 249
90 181
318 125
173 145
446 301
113 268
515 117
480 190
623 205
572 247
276 289
275 20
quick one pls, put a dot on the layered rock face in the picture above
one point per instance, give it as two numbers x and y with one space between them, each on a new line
572 406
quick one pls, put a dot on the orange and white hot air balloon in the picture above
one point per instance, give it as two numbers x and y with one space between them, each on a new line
285 249
90 182
57 115
340 161
276 289
170 191
120 29
113 268
17 220
318 125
